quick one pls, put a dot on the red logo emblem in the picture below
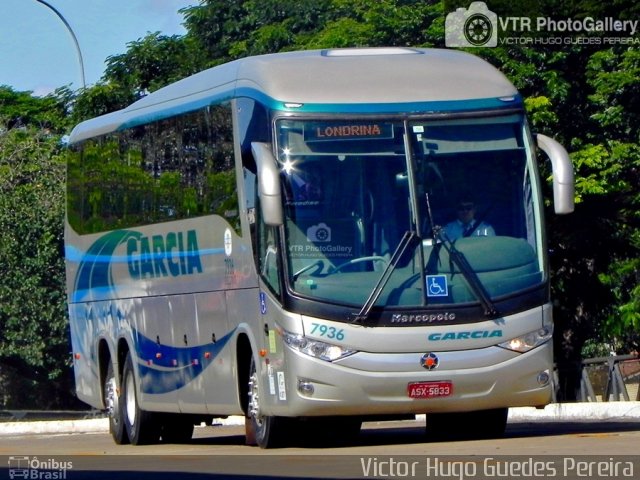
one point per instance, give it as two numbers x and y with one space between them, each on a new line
429 361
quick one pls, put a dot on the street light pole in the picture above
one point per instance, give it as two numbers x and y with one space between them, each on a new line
73 36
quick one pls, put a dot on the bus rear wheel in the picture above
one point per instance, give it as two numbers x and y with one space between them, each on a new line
142 427
112 404
262 430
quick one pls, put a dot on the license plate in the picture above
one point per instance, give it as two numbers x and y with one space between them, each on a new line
430 389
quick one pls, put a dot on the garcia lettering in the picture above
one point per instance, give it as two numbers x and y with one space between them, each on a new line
161 256
475 334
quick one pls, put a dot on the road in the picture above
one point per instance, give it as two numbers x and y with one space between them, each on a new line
219 453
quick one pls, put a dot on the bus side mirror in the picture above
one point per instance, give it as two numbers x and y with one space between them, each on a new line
563 187
268 184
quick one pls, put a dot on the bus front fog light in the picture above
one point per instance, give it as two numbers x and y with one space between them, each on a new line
543 378
306 388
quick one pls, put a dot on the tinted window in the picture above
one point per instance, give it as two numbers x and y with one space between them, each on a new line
177 168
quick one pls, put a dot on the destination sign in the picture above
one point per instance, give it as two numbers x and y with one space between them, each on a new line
326 131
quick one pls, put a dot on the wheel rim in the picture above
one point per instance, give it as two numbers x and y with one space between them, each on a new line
130 400
254 399
112 400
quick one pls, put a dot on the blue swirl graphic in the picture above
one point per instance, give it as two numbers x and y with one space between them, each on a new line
164 368
94 272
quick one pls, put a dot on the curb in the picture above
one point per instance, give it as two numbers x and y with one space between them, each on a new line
95 425
586 411
557 412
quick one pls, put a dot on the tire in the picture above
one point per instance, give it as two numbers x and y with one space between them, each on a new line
262 430
176 428
479 424
112 403
142 427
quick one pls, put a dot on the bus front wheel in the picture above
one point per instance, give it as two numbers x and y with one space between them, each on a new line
141 426
262 430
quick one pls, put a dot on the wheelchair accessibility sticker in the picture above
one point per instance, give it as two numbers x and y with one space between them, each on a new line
437 286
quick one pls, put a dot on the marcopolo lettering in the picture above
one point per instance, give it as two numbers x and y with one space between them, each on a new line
475 334
422 318
175 253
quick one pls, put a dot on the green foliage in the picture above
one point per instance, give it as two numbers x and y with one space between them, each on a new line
593 349
33 325
150 63
614 76
20 109
101 99
541 113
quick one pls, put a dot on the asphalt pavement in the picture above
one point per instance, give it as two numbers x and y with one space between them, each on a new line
557 412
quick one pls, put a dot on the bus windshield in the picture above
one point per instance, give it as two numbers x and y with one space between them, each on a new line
464 188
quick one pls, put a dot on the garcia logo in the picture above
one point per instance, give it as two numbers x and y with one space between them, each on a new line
475 334
175 253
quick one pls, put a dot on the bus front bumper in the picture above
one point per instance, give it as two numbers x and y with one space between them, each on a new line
379 384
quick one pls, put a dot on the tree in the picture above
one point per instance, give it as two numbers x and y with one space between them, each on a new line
150 63
614 76
21 109
34 351
101 99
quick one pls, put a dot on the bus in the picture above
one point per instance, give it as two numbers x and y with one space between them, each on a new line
272 238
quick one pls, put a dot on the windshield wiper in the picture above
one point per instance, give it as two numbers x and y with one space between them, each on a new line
458 258
409 241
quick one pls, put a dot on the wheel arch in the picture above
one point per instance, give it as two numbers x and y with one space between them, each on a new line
244 352
104 358
123 350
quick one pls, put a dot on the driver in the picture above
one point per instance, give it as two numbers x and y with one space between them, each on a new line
466 224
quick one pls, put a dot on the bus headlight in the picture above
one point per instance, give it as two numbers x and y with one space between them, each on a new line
529 341
315 348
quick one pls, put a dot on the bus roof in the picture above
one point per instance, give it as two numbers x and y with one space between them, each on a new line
357 81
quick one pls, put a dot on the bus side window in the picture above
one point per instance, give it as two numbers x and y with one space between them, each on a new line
268 256
263 237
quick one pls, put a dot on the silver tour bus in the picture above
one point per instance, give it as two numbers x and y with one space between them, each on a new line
310 239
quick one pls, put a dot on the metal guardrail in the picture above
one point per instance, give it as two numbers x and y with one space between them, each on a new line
615 378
